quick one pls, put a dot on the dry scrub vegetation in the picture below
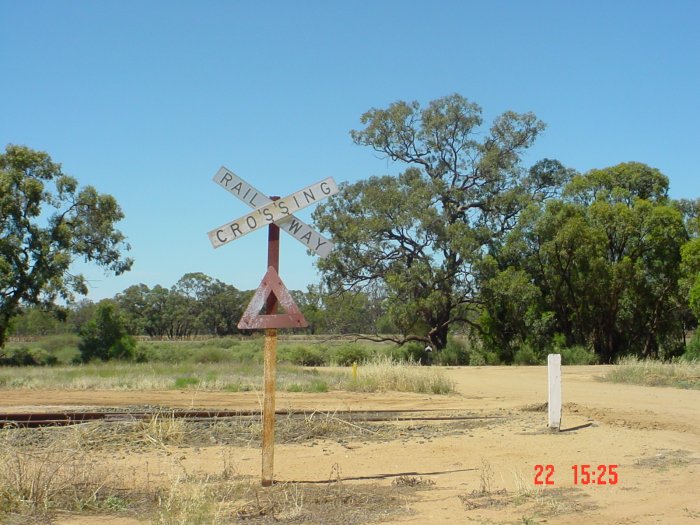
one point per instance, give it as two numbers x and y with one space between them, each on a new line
51 471
678 374
533 501
382 374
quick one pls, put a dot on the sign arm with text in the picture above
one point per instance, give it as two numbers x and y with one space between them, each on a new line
267 211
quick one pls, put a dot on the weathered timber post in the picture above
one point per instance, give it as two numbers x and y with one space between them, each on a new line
270 363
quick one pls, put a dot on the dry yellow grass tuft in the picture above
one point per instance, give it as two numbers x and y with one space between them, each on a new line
386 374
647 372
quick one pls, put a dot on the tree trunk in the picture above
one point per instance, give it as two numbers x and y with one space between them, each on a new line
438 336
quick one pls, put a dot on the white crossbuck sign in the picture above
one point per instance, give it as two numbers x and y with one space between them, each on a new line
267 211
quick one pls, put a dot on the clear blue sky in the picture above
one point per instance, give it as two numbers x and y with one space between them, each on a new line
145 100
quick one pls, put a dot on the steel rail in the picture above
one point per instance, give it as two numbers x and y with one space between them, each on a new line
39 419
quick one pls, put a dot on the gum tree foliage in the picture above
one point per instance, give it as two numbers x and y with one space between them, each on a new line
47 222
690 255
351 313
38 321
419 235
196 304
690 268
599 267
214 306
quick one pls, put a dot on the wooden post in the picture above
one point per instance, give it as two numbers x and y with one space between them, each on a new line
554 391
268 438
270 365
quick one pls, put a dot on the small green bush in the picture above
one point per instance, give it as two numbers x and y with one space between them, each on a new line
60 343
413 352
104 337
526 355
692 350
305 356
577 355
160 352
123 348
477 359
454 354
482 355
212 354
346 355
184 382
28 356
41 357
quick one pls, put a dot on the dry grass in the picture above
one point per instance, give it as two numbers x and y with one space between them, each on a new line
666 459
332 503
163 430
49 470
535 501
40 481
157 432
60 476
678 374
381 375
385 374
232 377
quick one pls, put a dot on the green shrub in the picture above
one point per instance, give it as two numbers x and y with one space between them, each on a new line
41 357
305 356
526 355
123 348
28 356
477 359
212 354
346 355
60 343
184 382
140 354
412 352
692 350
454 354
104 337
160 352
577 355
480 356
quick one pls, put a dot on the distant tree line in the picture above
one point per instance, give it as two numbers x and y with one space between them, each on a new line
200 305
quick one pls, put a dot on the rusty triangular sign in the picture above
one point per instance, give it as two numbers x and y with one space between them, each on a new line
272 284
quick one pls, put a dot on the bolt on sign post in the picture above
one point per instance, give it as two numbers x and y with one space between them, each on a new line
275 213
554 391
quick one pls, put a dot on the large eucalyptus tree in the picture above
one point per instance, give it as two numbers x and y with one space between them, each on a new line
419 235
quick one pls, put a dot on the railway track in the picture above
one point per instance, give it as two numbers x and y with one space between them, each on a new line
52 419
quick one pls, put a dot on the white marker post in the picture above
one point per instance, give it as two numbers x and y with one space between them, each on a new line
554 391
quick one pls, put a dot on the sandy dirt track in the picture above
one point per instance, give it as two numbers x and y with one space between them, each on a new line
652 434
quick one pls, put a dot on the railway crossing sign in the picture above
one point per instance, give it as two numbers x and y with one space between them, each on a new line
276 214
266 211
272 284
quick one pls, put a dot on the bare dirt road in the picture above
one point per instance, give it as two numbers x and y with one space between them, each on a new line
483 472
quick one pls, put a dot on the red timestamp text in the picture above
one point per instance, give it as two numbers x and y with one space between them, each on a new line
583 474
